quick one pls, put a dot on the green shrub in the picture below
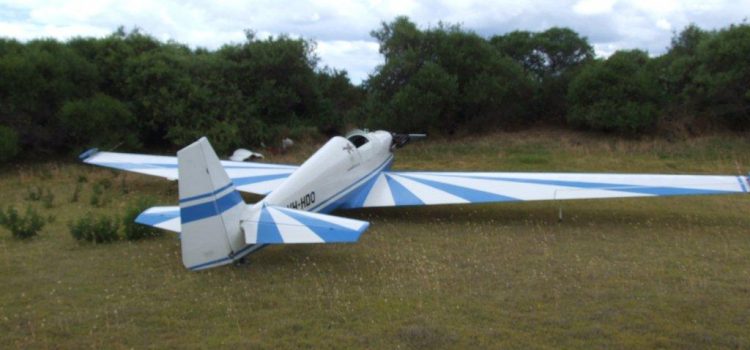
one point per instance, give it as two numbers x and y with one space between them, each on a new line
34 193
8 143
100 120
620 94
134 231
721 81
76 193
101 229
96 195
21 227
48 199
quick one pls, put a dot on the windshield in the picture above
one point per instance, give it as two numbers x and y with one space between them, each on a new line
358 140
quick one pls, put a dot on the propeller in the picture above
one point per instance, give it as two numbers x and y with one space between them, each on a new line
400 140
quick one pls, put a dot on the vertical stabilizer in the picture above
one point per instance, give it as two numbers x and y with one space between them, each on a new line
210 208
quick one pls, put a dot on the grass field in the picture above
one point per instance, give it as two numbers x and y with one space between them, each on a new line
630 273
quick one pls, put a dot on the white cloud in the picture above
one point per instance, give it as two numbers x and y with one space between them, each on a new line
359 56
664 24
342 27
593 7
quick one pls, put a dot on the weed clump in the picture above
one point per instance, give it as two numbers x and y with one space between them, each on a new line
98 190
76 193
101 229
21 227
132 230
36 194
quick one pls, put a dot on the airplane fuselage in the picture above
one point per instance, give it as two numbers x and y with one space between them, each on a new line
330 178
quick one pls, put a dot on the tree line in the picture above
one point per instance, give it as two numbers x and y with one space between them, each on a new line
129 90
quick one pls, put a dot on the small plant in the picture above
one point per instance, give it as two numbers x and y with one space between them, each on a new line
21 227
105 183
48 199
96 194
123 186
34 194
101 229
134 231
76 193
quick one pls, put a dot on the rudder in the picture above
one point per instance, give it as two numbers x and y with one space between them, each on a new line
210 208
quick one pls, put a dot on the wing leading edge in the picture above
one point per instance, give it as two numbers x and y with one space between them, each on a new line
393 188
257 178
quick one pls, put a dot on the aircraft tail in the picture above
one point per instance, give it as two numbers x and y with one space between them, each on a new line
210 209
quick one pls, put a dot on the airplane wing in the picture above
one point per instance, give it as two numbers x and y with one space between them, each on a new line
257 178
277 225
402 188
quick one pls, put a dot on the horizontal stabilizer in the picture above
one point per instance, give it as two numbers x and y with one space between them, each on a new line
167 218
276 225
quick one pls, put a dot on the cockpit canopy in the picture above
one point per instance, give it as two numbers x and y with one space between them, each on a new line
357 137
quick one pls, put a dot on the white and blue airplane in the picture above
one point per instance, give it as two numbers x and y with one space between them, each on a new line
217 227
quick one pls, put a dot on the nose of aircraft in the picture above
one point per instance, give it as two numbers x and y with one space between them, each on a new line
400 140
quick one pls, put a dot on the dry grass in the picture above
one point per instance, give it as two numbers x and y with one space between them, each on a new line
662 272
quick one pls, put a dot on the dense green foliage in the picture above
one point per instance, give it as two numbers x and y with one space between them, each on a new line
620 93
8 143
130 90
133 231
444 79
21 226
99 229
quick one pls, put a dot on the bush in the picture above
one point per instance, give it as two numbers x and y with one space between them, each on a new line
98 198
134 231
102 229
100 120
22 227
620 94
8 143
35 194
721 82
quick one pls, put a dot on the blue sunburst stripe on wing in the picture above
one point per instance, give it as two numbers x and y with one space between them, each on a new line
742 183
212 208
331 204
267 230
649 190
402 195
360 194
469 194
328 231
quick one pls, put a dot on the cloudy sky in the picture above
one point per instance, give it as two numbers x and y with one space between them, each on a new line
341 27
